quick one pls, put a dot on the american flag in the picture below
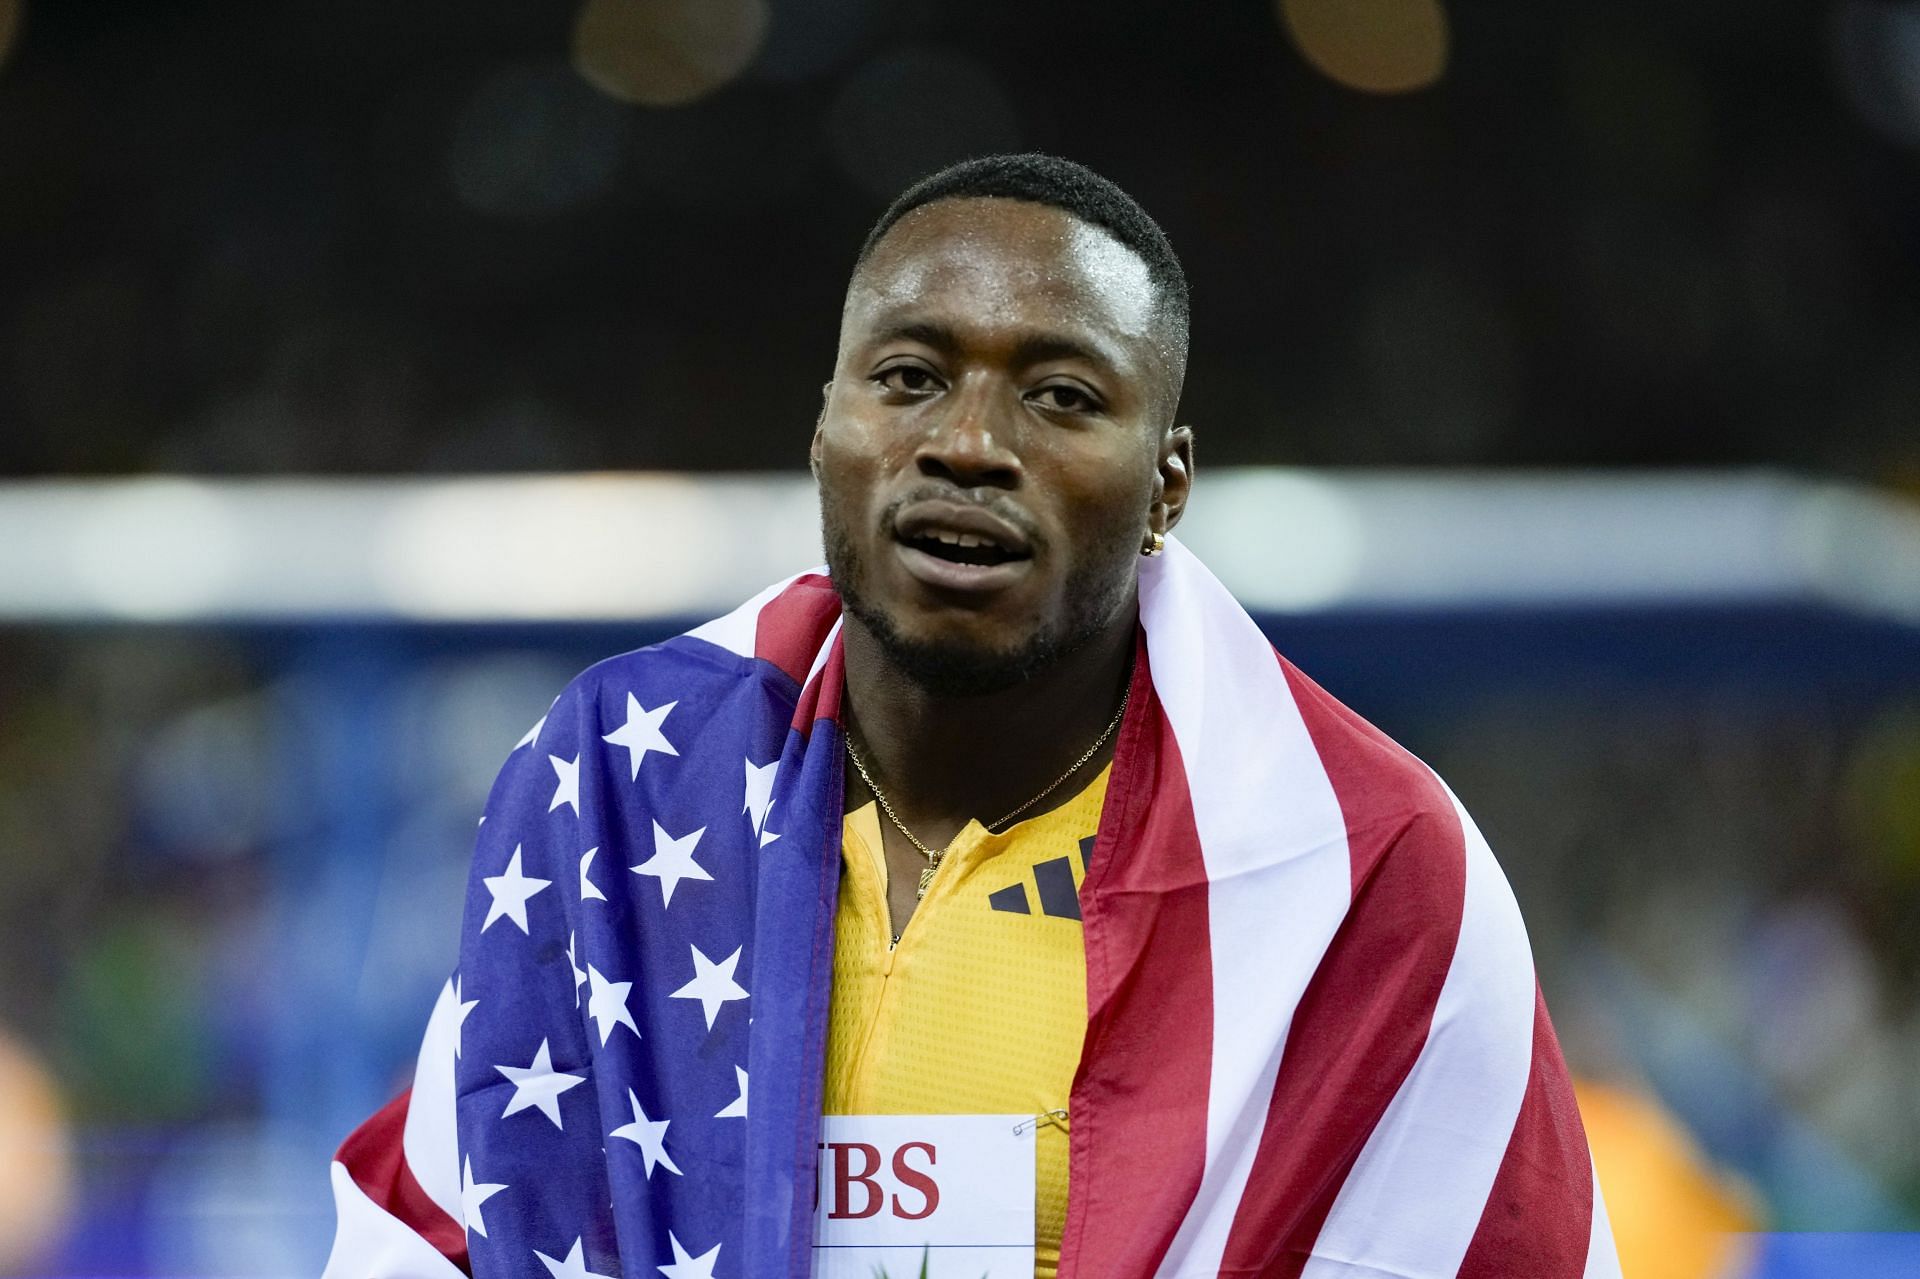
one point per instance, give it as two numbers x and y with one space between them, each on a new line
1315 1042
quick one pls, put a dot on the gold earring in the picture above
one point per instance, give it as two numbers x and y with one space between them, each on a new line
1156 543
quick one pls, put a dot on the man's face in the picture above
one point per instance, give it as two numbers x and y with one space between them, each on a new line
994 442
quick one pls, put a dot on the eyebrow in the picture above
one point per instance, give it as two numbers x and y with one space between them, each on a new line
1031 348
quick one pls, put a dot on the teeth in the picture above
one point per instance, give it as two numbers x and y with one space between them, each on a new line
958 539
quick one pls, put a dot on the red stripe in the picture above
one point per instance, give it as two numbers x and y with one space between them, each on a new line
821 698
375 1157
793 624
1365 1013
1137 1113
1540 1215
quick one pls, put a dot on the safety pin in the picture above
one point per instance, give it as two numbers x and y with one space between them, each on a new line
1055 1117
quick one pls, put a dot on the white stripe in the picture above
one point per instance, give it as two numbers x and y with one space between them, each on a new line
1275 848
1416 1194
736 631
820 658
370 1244
1603 1262
428 1139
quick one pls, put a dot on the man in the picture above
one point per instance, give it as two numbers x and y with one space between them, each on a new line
1014 814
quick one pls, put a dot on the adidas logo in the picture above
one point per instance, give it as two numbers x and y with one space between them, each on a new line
1058 894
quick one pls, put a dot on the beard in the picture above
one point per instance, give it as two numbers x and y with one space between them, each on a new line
954 667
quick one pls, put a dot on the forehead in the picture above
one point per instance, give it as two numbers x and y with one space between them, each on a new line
982 263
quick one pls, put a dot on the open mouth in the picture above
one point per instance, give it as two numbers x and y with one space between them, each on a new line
961 548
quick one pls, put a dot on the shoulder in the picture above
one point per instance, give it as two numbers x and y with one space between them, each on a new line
1399 815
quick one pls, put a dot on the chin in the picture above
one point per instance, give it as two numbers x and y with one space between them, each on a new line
953 665
965 654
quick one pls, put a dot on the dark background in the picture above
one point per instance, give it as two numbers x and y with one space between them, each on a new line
355 237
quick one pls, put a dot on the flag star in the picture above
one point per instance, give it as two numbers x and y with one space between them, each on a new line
567 789
712 984
472 1195
574 1267
650 1135
465 1006
672 861
737 1108
538 1084
510 892
759 798
641 733
589 891
686 1265
533 735
579 978
607 1004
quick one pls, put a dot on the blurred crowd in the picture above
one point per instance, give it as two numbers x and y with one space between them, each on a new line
234 864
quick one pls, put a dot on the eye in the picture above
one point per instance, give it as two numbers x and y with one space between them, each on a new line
908 379
1064 397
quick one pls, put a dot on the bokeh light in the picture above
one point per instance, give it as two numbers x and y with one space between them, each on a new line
36 1176
1877 54
1376 46
532 141
10 11
662 53
809 38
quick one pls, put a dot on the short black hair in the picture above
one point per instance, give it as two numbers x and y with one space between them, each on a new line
1074 189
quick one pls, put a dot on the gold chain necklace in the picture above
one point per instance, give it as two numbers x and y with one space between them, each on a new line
935 855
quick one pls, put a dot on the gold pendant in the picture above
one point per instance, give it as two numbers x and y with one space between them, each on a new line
926 878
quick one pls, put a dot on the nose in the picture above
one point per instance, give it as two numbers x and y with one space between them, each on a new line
969 443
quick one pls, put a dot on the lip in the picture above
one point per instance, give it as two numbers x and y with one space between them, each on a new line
960 579
923 518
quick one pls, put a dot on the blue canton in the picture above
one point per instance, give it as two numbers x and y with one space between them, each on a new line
646 949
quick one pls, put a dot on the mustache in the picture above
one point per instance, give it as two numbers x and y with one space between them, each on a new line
996 504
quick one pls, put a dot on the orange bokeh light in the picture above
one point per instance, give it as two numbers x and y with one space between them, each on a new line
1376 46
662 53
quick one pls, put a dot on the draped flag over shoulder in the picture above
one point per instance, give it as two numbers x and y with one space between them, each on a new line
1315 1045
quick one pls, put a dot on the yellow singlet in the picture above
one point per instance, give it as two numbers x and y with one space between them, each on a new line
981 1008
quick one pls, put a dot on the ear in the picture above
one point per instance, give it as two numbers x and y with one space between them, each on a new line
1172 481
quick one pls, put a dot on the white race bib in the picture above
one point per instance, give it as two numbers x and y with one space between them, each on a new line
954 1189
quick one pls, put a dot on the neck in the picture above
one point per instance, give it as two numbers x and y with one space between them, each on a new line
945 760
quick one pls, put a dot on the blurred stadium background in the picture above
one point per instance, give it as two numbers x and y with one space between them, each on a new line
367 369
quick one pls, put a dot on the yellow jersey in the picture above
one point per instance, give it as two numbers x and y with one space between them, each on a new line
981 1007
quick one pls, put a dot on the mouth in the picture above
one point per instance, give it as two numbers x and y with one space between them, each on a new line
960 548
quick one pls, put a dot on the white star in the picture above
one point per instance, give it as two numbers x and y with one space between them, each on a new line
510 892
589 891
648 1134
567 789
641 733
672 861
607 1004
538 1084
466 1006
472 1195
712 984
533 734
579 978
574 1267
687 1266
760 798
737 1108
